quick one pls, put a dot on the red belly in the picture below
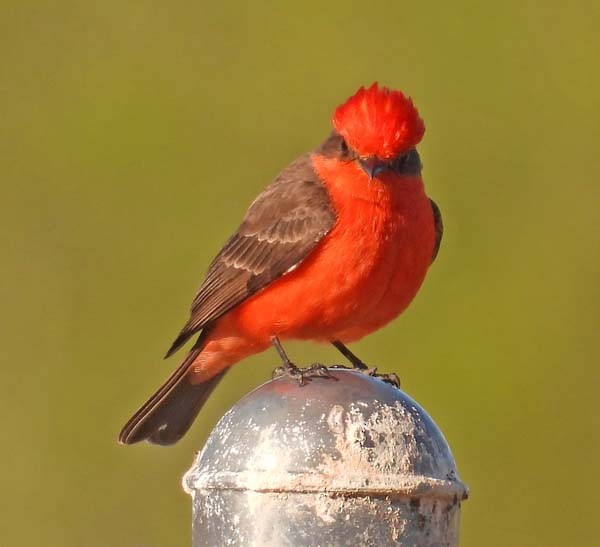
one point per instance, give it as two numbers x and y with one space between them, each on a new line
364 272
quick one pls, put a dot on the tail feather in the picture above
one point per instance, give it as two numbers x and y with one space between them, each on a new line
169 413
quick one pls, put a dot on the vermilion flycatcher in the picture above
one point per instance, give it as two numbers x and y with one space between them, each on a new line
333 249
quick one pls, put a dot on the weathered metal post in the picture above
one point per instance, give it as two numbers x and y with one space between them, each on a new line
351 462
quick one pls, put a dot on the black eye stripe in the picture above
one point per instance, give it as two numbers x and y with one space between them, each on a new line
407 164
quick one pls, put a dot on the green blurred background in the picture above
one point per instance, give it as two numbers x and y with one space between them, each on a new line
133 137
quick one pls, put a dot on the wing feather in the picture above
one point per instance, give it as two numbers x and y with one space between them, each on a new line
439 228
282 226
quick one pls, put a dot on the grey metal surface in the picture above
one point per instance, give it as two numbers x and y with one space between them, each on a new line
347 462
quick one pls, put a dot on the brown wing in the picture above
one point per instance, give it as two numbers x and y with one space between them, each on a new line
278 232
439 228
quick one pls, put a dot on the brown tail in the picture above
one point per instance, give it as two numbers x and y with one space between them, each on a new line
169 413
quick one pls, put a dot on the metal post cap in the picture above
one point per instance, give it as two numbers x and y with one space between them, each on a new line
344 461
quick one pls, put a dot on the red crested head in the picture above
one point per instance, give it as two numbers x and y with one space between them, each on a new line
379 122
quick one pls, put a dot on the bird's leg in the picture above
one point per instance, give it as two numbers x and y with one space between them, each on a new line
302 375
354 360
358 365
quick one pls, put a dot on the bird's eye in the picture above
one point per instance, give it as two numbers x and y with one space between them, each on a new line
344 147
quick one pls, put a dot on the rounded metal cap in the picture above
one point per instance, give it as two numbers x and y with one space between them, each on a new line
356 434
344 461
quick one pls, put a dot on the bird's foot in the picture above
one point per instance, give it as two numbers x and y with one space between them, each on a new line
302 375
391 378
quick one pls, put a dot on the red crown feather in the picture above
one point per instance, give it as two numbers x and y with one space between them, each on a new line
379 122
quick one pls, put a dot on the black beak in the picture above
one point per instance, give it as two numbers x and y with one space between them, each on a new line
372 166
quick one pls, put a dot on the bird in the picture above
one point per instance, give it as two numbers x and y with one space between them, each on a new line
333 249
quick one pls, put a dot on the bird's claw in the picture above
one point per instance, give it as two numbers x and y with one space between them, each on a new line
302 375
391 378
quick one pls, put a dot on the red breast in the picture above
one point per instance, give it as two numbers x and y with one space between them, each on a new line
364 272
